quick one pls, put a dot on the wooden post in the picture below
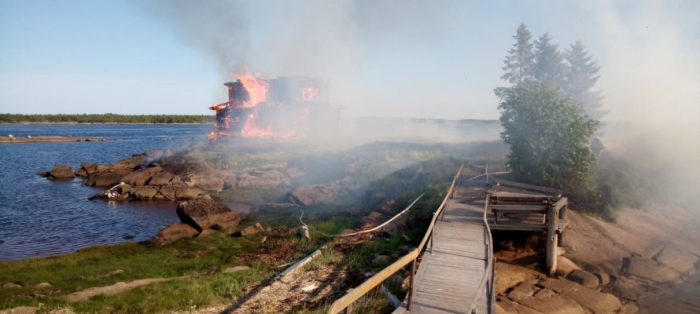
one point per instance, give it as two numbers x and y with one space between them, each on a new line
410 285
563 214
552 223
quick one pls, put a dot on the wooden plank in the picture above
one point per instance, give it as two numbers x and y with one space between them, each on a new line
528 186
523 208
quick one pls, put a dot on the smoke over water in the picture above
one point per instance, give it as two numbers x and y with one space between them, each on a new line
415 59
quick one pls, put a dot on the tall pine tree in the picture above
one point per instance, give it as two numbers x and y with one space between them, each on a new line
520 58
549 67
580 77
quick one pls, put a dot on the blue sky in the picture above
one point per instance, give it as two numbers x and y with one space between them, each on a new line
437 59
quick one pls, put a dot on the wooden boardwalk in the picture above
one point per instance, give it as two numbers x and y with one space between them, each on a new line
451 271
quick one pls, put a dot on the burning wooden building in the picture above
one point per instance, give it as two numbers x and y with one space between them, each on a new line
284 107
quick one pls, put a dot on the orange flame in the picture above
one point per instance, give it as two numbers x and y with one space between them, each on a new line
257 89
309 93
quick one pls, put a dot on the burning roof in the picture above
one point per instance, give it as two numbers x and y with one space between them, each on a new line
276 108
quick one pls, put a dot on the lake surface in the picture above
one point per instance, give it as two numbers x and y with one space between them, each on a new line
40 217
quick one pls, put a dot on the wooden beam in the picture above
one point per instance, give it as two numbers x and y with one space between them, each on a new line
529 187
552 224
519 208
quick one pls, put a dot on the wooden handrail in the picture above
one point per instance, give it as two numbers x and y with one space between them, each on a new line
488 273
379 277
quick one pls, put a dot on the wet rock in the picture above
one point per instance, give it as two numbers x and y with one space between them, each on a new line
584 278
80 172
89 168
565 266
172 233
235 269
647 269
203 213
141 176
546 301
187 193
61 171
143 192
509 307
205 233
107 178
263 179
681 261
43 285
2 241
522 291
311 194
11 285
42 173
381 260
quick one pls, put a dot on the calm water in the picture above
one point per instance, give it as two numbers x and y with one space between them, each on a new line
39 217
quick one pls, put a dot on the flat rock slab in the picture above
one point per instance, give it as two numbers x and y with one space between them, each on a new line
584 278
678 260
647 269
118 287
510 307
546 301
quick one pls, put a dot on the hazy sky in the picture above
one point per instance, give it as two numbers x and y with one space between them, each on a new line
430 59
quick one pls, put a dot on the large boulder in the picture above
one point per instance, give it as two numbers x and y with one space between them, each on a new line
204 213
173 232
61 172
141 176
109 175
263 179
311 194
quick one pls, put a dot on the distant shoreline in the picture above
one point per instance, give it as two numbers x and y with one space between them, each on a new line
115 123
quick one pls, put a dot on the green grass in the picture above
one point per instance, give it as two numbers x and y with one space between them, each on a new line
185 257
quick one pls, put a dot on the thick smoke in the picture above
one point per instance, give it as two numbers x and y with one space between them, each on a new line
651 77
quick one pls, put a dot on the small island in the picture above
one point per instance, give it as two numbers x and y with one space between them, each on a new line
50 139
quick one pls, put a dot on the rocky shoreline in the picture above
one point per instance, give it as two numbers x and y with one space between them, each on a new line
605 267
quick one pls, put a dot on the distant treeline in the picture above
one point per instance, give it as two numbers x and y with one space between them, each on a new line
103 118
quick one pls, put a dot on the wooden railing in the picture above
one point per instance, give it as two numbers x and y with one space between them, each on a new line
412 257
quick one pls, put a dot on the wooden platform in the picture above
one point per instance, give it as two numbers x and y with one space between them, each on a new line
448 278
